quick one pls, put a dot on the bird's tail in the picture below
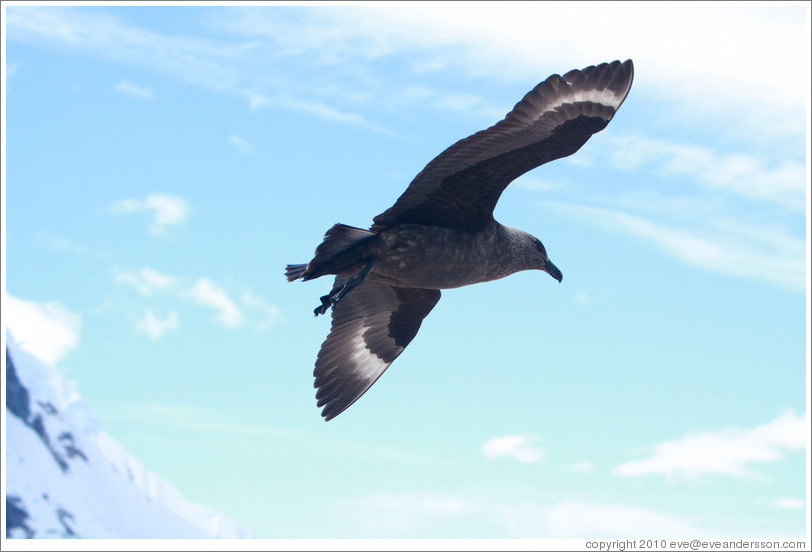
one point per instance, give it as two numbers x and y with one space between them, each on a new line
338 239
295 271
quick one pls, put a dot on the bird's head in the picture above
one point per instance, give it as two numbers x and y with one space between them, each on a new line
544 262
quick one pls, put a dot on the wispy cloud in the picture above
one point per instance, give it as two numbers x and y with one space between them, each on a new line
241 144
415 515
166 210
198 61
518 447
789 503
721 246
133 90
226 66
783 182
706 80
724 452
209 294
567 518
156 327
316 107
270 313
405 515
196 418
332 48
250 308
146 281
46 330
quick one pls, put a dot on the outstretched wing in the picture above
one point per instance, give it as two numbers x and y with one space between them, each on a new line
371 326
461 186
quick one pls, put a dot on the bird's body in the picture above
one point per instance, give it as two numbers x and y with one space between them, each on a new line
456 257
441 234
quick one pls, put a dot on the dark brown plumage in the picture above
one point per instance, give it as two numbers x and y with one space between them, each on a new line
441 233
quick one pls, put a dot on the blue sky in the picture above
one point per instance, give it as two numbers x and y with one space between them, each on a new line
163 164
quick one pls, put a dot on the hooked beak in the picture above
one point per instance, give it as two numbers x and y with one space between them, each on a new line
552 270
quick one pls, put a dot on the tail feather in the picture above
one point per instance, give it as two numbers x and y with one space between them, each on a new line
338 239
295 271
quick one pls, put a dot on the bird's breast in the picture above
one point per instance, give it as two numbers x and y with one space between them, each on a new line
434 257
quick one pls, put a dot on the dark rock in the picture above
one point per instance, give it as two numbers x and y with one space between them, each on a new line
17 399
47 407
39 427
64 517
16 517
68 443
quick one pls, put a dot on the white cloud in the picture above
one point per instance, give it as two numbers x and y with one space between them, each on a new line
188 59
46 330
389 516
570 518
270 313
710 75
518 447
783 183
133 90
166 210
789 503
208 293
241 144
418 514
147 281
728 248
156 327
717 75
724 452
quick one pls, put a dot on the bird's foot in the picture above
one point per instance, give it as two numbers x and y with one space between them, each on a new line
326 303
332 298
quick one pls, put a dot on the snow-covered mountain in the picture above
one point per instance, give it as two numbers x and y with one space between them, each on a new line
67 479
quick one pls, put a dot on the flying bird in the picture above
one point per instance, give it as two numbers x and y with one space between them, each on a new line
441 234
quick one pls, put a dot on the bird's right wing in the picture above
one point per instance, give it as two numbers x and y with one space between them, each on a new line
461 186
371 326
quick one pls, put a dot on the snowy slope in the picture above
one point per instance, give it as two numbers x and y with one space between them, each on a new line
65 478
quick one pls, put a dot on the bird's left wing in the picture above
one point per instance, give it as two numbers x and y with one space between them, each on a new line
371 326
461 186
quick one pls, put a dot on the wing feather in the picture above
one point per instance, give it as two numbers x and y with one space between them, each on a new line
371 326
461 186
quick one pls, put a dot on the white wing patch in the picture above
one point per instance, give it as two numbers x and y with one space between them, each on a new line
364 363
603 97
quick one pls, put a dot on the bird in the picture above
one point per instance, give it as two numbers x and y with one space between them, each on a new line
441 233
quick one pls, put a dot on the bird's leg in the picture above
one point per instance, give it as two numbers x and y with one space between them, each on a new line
332 298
